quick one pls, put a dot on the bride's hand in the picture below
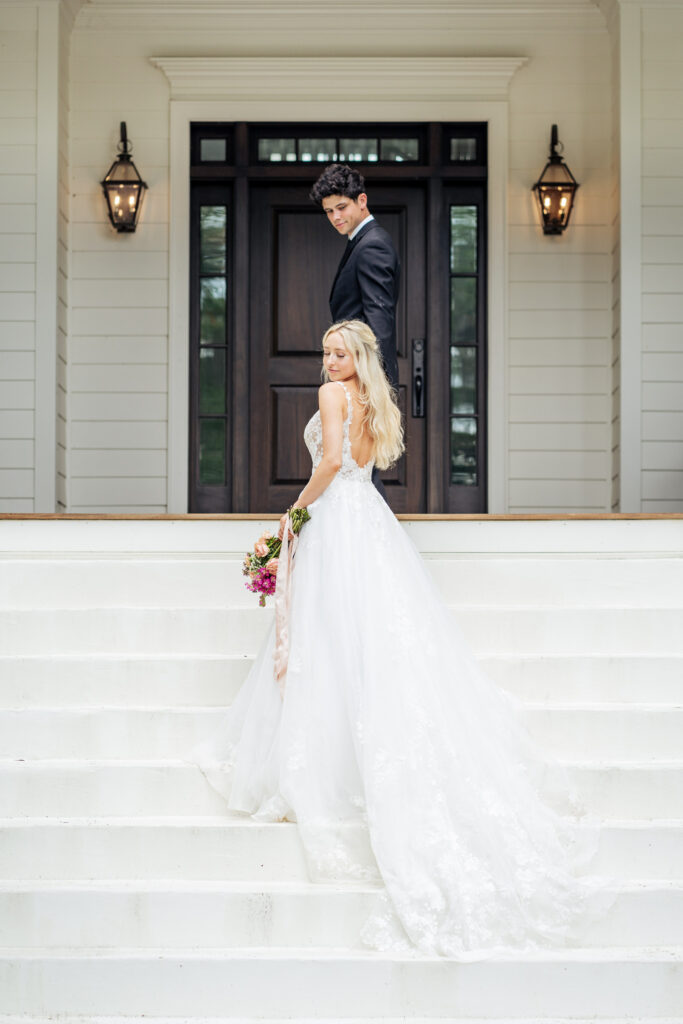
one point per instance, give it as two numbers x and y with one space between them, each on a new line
280 532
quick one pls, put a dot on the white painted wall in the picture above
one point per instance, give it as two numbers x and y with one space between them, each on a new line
560 286
662 266
18 127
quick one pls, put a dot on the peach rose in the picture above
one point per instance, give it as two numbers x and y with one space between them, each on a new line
272 566
260 549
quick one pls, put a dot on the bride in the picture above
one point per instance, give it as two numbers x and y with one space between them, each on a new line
400 761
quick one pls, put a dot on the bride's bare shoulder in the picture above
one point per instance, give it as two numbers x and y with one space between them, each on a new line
331 396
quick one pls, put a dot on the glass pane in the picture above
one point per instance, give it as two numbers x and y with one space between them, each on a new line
320 150
276 150
358 150
463 380
212 311
464 310
212 225
463 150
464 451
399 149
212 380
463 239
212 452
213 149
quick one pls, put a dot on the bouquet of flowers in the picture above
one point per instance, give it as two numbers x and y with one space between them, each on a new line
260 565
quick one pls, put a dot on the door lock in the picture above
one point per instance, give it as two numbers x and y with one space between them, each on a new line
419 377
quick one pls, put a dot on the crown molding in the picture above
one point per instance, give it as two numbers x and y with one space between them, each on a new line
312 17
396 78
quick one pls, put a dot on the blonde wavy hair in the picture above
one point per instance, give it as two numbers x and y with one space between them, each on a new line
381 415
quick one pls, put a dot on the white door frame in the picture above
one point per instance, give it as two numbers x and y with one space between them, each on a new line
400 91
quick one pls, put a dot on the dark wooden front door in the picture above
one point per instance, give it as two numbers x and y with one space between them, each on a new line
262 261
294 254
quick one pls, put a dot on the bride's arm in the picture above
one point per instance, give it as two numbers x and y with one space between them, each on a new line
332 403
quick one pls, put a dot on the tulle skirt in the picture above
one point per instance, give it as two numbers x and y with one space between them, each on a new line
401 762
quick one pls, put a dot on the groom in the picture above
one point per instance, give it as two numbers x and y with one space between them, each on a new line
367 280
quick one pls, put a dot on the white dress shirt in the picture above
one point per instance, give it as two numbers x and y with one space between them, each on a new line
360 226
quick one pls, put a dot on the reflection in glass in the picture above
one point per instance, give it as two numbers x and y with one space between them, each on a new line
212 311
212 227
277 150
463 239
211 380
399 149
213 150
319 150
464 310
463 380
464 451
212 451
463 150
358 149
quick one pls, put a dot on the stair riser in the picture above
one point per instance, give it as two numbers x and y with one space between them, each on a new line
213 681
307 918
55 789
240 631
244 851
218 581
128 734
217 987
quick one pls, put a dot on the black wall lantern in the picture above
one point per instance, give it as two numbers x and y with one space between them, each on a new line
555 190
123 188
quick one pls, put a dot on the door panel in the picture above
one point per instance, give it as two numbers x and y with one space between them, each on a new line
294 256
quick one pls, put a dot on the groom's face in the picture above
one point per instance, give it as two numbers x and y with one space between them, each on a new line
344 213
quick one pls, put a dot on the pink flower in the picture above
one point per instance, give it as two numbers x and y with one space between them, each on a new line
260 549
272 566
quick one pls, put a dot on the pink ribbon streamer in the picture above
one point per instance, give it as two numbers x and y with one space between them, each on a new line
283 591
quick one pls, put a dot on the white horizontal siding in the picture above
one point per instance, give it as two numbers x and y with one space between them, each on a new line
18 46
559 291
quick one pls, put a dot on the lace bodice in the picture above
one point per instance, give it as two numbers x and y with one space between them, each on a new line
313 436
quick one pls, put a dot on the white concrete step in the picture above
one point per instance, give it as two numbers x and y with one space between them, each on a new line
492 630
217 581
9 1019
212 680
164 787
630 732
612 983
181 914
235 848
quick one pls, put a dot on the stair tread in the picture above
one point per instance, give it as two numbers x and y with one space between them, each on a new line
605 954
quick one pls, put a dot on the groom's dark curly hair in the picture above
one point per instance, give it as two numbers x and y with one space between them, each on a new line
338 180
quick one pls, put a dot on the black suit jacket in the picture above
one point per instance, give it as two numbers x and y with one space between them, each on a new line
366 288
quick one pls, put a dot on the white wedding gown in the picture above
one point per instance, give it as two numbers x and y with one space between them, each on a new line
399 759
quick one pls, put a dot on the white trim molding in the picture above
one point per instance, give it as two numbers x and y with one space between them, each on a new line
391 78
382 89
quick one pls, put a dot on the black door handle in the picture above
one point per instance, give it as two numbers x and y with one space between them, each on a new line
418 373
